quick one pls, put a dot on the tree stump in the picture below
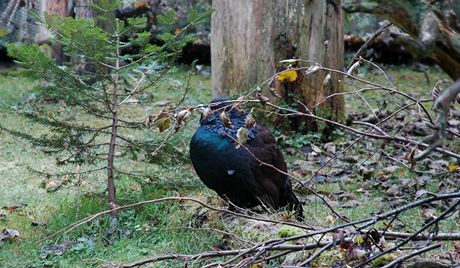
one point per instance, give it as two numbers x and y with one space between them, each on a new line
250 38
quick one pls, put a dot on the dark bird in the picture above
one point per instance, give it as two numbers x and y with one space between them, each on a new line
236 172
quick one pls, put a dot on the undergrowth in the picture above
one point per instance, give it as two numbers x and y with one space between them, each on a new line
167 227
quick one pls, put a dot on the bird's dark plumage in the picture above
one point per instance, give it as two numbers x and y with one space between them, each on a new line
233 172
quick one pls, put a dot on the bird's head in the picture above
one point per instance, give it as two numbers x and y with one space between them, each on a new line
214 108
221 115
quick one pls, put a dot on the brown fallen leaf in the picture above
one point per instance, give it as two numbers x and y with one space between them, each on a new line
12 208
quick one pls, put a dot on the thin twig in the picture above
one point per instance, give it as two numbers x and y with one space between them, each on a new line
316 254
405 241
369 41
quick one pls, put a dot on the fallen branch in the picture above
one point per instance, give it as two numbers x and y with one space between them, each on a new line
421 237
405 241
215 254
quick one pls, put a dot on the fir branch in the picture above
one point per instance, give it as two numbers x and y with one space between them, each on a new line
62 174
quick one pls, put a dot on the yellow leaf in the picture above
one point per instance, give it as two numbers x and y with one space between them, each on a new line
287 75
453 167
163 124
390 257
3 32
359 240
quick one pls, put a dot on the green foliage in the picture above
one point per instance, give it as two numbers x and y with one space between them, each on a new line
296 140
149 230
99 80
106 6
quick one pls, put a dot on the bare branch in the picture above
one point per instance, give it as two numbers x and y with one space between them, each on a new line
368 42
442 107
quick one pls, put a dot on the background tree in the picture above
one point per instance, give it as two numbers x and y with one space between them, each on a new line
250 38
432 28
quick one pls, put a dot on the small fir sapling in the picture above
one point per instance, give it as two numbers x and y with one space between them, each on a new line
100 81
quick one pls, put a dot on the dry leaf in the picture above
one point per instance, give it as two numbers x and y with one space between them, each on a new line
290 61
262 98
436 90
9 234
181 117
274 92
312 69
429 213
12 208
148 122
287 75
250 121
242 135
452 167
327 79
225 119
162 121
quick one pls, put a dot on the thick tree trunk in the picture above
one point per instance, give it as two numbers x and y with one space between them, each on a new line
250 38
433 29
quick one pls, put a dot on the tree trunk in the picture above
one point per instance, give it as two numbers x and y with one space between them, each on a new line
250 38
60 8
82 9
433 29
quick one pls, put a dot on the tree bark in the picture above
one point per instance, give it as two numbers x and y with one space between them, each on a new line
433 29
82 9
60 8
250 38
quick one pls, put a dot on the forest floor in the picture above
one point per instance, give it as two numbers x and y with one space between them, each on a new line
370 177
